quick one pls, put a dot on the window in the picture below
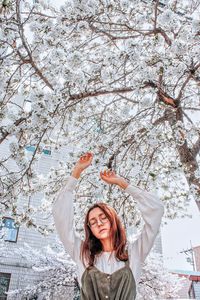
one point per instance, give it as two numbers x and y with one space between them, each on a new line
32 149
191 292
4 284
35 297
8 230
46 151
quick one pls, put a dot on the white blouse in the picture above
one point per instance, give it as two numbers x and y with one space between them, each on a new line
152 210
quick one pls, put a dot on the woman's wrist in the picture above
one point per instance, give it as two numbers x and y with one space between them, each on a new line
76 172
123 183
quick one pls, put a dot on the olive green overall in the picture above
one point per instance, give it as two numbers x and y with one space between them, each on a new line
97 285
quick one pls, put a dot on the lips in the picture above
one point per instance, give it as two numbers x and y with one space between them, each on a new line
101 230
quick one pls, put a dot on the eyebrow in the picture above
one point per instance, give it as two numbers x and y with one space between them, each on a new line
98 216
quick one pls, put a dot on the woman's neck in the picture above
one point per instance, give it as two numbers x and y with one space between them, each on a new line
106 245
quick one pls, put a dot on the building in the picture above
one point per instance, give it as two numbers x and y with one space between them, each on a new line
191 288
196 251
14 272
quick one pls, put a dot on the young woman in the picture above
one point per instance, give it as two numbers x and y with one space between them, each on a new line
106 270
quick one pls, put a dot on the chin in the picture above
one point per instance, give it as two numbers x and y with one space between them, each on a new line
104 234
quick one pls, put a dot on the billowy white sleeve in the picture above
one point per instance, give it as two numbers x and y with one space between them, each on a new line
63 214
152 210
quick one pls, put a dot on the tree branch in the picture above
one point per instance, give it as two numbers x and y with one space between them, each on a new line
30 60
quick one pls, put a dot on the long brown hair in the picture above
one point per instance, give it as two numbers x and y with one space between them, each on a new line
92 246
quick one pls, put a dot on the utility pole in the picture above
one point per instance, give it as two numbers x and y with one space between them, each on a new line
190 256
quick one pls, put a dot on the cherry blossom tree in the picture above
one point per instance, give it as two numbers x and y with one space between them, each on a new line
118 78
57 275
54 270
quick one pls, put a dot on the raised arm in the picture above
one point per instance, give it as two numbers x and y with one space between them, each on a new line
63 210
151 209
63 213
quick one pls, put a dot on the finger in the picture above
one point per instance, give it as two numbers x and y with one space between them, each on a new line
90 157
102 173
89 154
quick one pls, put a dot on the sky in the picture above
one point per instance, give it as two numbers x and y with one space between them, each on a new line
177 235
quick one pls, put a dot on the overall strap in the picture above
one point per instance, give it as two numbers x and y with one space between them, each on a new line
127 263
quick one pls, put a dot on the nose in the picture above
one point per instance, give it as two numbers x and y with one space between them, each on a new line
99 222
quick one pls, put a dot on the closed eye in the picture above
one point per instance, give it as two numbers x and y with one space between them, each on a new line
102 216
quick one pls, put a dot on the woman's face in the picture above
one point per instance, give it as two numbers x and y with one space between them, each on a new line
99 223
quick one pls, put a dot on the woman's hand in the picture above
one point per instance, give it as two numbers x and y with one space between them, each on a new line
110 177
84 162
